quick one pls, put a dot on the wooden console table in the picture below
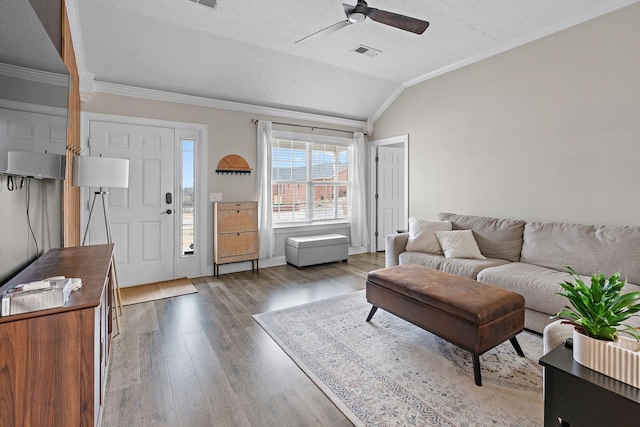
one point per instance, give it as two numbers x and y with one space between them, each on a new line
235 234
578 396
53 363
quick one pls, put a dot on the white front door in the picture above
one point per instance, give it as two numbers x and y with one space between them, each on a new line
391 216
142 216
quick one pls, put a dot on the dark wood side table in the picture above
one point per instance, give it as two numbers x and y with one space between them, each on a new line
578 396
53 363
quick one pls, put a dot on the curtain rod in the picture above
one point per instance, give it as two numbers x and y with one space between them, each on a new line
255 121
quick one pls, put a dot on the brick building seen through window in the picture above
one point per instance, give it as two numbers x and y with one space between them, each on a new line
310 181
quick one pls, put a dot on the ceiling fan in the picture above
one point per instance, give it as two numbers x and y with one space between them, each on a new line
362 11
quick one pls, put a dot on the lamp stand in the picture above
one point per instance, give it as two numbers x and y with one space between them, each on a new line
107 222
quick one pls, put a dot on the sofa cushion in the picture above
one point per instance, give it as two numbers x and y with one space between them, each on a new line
469 267
459 244
588 249
496 238
538 285
460 266
422 258
422 237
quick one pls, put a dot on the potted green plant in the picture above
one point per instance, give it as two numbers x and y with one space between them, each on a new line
599 310
598 313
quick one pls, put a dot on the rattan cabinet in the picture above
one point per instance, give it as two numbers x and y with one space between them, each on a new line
235 234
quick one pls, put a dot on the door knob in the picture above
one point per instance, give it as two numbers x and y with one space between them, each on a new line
168 211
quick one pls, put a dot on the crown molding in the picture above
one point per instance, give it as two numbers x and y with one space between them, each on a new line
33 108
609 7
396 93
73 17
199 101
86 96
34 75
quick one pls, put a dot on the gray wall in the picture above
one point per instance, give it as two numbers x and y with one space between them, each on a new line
546 131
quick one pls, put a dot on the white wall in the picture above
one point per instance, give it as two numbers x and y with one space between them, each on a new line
17 246
546 131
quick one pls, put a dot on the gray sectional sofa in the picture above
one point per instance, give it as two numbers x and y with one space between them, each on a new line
529 257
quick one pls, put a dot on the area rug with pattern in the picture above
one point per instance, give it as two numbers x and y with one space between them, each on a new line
391 373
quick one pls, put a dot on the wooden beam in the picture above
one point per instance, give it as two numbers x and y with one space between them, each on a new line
71 195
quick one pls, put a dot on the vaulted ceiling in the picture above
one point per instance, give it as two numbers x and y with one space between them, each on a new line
245 51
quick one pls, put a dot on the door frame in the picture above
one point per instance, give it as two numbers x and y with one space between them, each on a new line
180 128
403 142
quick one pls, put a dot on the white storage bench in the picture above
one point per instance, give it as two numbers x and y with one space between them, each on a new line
310 250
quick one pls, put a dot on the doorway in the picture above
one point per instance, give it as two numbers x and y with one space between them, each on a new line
389 192
158 223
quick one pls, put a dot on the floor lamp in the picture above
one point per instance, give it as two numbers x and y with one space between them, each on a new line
103 173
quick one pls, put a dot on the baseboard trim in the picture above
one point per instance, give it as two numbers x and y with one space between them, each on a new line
237 267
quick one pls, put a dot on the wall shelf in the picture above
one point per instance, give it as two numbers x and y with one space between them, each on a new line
233 165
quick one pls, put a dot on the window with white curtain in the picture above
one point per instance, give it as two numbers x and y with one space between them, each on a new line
310 179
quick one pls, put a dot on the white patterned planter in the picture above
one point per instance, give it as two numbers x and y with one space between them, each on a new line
617 359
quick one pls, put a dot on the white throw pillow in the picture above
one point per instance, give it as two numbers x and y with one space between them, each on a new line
459 244
422 237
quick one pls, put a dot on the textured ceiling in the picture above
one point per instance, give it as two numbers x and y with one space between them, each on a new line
245 51
23 40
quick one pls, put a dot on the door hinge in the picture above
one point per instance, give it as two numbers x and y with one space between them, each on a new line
376 234
376 197
377 158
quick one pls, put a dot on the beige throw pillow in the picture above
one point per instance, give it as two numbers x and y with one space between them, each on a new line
459 244
422 237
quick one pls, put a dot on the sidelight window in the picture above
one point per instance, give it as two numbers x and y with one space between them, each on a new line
187 211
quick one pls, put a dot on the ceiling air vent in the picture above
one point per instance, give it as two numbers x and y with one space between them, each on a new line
208 3
366 51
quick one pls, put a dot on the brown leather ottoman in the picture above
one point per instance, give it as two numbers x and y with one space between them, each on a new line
472 315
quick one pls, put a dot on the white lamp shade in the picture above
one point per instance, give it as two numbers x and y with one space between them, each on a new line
37 165
100 172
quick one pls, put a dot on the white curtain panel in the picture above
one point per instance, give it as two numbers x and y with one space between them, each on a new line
357 195
264 196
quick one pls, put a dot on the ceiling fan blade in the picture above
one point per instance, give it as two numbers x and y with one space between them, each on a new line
402 22
330 29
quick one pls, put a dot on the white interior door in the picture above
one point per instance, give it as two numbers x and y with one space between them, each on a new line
142 216
391 214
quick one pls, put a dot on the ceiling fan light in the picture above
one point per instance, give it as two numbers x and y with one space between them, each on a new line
356 17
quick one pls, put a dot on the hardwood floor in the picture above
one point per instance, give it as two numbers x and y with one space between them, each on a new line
201 359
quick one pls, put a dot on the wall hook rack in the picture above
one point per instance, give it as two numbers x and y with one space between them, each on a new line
233 164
